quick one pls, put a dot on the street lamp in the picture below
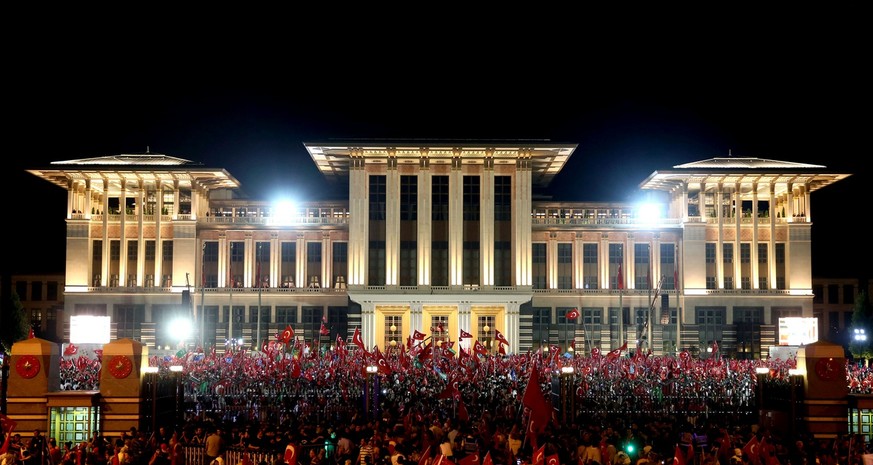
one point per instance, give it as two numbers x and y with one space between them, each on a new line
177 373
761 374
370 390
568 401
860 335
151 374
393 341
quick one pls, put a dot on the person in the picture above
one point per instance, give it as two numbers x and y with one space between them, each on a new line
161 455
214 445
56 455
394 454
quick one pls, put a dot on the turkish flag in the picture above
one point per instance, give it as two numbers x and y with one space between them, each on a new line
614 354
595 352
620 278
540 410
539 457
479 348
71 349
356 340
553 460
499 336
487 460
287 334
381 362
418 335
465 335
324 331
573 314
470 459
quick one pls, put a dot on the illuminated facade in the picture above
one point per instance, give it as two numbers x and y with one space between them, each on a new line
442 237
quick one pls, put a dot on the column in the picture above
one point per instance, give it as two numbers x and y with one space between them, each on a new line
465 322
301 280
754 255
249 261
358 220
771 248
424 223
789 203
719 247
223 261
159 218
368 323
122 261
552 262
603 261
578 265
510 325
415 317
175 199
628 258
104 266
655 271
486 220
326 261
521 211
392 221
275 263
140 239
88 193
738 269
684 200
71 194
456 221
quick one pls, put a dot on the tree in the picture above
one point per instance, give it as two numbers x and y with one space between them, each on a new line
862 320
15 326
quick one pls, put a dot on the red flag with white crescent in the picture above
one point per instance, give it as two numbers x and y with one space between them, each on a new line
418 335
487 460
287 334
381 362
465 335
470 459
499 336
356 340
479 348
553 460
539 457
324 331
573 314
71 349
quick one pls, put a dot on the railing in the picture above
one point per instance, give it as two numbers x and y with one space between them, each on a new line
196 455
271 220
603 221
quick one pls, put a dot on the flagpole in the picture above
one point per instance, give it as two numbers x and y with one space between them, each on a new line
258 259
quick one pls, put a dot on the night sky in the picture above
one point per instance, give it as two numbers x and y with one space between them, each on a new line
629 118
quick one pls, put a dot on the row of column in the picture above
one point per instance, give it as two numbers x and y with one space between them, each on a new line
359 217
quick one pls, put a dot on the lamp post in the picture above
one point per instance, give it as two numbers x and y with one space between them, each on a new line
761 374
370 390
180 410
568 400
151 374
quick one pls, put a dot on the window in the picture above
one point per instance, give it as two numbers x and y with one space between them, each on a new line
566 328
471 198
439 327
542 321
377 198
408 198
848 293
312 322
210 264
538 251
817 294
36 291
313 263
589 266
729 282
668 266
486 337
833 293
745 283
565 266
709 252
710 322
616 256
710 282
51 291
128 320
21 290
393 332
745 253
286 316
727 253
340 262
642 267
753 315
408 263
592 316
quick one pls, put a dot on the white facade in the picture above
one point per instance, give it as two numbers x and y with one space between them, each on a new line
443 235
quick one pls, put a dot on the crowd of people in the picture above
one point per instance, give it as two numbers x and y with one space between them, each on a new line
435 405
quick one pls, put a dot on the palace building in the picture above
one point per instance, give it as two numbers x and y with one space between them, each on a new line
439 237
